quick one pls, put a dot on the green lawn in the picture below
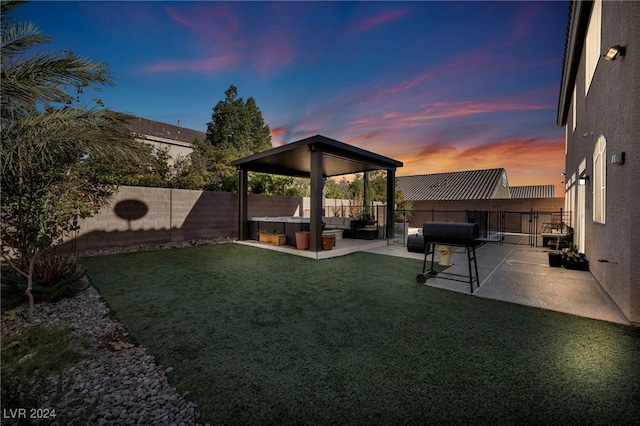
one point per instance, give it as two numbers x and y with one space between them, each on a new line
261 337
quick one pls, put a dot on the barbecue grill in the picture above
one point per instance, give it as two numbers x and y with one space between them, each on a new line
465 235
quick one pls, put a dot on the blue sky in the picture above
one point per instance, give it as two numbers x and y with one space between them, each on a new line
441 86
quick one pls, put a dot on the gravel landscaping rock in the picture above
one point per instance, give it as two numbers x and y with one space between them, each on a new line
115 382
154 246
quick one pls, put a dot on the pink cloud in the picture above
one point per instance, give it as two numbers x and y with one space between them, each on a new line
376 20
526 19
439 110
218 23
528 161
274 51
215 30
178 17
365 137
515 151
225 62
222 45
425 85
385 106
277 134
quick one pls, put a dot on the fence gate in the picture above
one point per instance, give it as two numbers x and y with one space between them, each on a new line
525 228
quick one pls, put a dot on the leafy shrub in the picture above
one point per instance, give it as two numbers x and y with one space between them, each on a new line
14 287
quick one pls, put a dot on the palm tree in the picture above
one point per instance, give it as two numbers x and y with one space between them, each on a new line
34 87
47 136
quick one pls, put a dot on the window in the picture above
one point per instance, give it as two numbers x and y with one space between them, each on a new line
600 180
593 43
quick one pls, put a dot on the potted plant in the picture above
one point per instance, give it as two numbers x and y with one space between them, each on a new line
555 260
328 241
271 237
571 259
302 240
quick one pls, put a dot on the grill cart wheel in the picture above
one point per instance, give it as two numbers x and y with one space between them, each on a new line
422 278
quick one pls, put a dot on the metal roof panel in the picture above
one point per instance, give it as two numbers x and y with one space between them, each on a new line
465 185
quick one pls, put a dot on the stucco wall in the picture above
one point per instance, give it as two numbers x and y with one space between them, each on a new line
632 145
610 109
175 150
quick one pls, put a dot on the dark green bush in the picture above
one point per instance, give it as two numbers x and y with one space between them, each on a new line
14 286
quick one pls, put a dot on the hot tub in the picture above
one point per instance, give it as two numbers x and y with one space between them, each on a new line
287 225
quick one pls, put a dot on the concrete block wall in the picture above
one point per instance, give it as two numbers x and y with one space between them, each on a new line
140 215
134 215
273 205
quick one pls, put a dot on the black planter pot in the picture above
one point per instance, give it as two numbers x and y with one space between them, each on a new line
555 260
577 263
415 243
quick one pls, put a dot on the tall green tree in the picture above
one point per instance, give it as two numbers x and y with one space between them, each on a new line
237 129
355 190
194 172
152 169
267 184
338 189
47 140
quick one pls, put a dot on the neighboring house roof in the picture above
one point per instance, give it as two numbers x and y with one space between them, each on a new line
466 185
533 191
164 132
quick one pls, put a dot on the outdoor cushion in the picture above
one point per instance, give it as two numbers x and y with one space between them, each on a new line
337 222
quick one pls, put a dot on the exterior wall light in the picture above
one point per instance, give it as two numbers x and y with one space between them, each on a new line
583 180
618 158
613 52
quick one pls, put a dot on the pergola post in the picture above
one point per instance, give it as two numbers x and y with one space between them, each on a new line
243 208
391 203
315 225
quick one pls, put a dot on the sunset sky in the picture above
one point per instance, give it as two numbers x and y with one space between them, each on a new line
440 86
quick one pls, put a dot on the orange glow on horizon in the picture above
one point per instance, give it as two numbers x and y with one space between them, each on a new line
527 162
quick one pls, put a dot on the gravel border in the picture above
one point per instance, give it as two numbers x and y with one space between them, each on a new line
115 381
153 246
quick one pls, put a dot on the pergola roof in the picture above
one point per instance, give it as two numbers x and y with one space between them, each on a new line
294 159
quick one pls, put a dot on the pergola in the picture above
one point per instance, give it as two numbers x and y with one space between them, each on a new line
316 157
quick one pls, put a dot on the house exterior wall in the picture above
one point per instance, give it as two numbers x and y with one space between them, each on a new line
140 215
502 187
176 149
611 109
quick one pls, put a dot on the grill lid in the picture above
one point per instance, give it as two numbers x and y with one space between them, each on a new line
451 233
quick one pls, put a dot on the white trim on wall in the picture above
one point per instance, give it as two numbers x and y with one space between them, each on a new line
593 44
600 180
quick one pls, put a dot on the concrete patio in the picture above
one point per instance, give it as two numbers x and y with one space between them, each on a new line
342 247
511 272
517 273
